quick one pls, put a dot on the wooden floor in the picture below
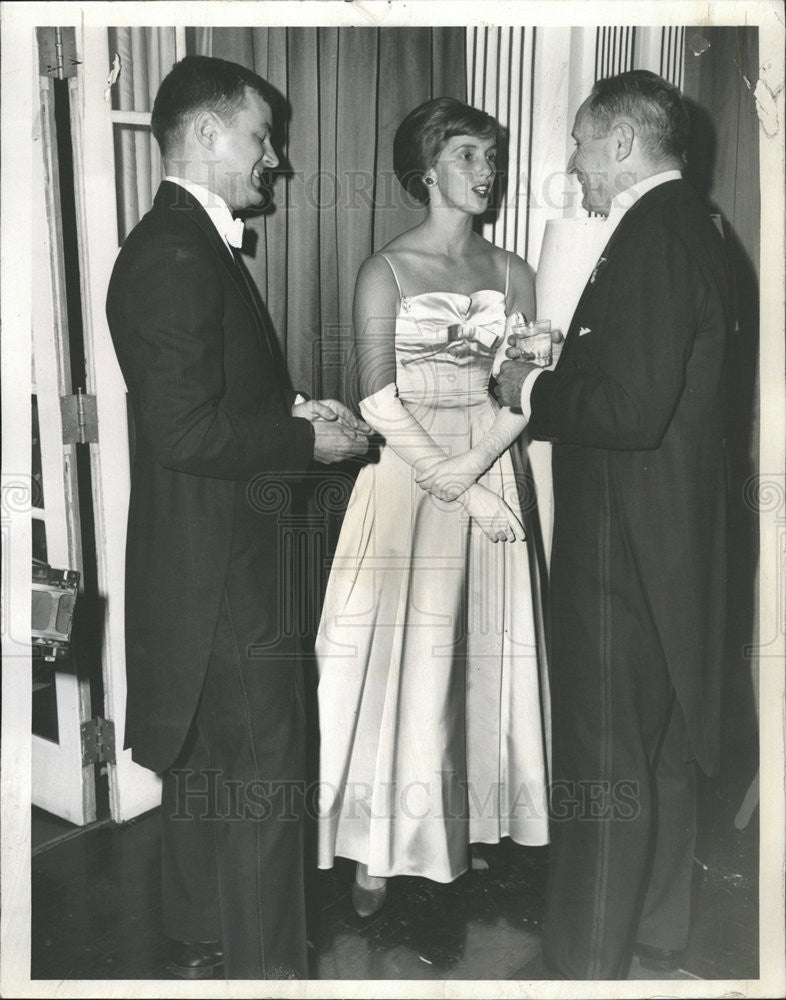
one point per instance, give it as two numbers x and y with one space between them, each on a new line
96 908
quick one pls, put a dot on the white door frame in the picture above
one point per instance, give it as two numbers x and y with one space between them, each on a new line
60 782
132 789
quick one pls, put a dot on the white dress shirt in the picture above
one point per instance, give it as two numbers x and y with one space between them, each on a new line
619 206
230 230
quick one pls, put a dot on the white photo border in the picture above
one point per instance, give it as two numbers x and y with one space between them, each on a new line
17 91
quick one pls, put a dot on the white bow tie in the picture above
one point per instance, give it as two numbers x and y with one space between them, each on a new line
234 233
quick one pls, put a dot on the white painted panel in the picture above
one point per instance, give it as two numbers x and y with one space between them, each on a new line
60 784
133 789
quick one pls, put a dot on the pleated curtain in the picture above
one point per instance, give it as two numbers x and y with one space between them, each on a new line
145 57
721 68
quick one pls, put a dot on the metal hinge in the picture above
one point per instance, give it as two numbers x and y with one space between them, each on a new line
57 52
80 418
98 742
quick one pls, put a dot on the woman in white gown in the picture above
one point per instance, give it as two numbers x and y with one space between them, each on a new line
433 695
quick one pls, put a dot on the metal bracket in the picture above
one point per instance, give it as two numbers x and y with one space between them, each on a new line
98 742
80 419
57 52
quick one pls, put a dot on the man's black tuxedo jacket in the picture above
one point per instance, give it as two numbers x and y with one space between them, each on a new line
211 404
636 408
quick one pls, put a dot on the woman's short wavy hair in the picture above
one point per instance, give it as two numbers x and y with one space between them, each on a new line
421 137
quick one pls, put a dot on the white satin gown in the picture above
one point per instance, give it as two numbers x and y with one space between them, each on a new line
433 689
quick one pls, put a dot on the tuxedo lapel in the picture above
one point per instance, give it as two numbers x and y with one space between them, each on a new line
176 198
589 289
250 294
247 288
597 271
596 278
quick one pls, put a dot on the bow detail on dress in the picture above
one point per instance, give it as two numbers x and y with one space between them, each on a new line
462 339
474 334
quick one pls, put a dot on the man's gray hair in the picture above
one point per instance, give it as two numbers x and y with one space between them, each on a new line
652 105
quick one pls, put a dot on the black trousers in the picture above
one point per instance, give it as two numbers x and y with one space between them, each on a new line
232 823
624 789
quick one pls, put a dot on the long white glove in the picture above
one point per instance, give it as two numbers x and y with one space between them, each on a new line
385 412
405 435
451 477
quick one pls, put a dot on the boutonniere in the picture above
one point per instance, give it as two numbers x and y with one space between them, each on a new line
596 269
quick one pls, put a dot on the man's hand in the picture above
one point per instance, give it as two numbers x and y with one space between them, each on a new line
331 409
513 372
510 380
338 433
333 442
514 352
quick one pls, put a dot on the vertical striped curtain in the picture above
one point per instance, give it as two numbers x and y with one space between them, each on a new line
500 69
533 80
672 55
614 50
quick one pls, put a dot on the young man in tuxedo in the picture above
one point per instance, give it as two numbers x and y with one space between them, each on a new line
635 408
215 698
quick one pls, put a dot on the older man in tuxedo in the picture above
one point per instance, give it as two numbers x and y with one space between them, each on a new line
215 698
635 408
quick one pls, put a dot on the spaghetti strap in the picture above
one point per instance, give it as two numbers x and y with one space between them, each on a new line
507 273
395 276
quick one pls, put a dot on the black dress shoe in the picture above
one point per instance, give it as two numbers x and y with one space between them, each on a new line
195 959
658 959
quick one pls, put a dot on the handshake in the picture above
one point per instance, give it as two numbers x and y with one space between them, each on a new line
338 433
